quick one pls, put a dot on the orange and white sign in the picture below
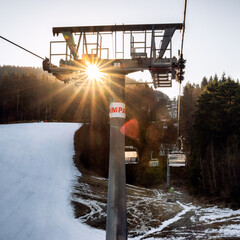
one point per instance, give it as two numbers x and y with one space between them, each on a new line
117 110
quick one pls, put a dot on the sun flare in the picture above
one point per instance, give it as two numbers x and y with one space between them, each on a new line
93 72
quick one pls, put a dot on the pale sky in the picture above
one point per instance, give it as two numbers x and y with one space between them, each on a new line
212 37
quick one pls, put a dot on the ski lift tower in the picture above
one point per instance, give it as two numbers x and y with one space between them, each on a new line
115 50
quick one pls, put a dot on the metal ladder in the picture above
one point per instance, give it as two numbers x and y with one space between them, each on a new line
161 79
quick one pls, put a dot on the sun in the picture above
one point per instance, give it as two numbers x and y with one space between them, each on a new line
93 72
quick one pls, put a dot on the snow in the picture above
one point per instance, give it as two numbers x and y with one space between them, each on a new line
230 230
224 216
169 221
215 214
36 178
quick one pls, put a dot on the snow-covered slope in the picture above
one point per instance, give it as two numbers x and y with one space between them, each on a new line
36 177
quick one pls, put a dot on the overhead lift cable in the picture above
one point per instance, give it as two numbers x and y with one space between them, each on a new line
177 158
21 47
183 27
45 58
181 70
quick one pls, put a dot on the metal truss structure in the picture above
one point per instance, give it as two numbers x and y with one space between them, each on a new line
117 48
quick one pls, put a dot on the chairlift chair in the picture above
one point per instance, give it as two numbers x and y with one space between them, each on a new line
131 155
153 161
162 151
177 158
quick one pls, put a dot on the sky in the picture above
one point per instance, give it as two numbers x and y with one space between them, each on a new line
212 34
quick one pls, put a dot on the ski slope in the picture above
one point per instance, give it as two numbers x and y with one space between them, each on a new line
36 178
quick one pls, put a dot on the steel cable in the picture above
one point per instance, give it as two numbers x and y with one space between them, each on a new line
22 48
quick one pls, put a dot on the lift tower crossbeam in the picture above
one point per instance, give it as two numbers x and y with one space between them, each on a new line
118 28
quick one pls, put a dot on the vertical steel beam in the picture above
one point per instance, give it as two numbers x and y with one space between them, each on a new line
116 205
145 42
97 44
168 174
115 45
178 110
50 56
123 44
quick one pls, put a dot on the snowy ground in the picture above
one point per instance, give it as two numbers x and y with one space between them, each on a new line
36 176
40 189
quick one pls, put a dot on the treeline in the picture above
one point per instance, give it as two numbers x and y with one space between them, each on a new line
210 120
30 94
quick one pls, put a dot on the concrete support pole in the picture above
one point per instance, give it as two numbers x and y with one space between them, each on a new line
116 204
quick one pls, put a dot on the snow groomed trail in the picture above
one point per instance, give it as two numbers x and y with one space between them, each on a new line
36 178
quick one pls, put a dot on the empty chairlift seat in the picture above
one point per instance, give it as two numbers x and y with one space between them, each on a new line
154 162
131 155
177 159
